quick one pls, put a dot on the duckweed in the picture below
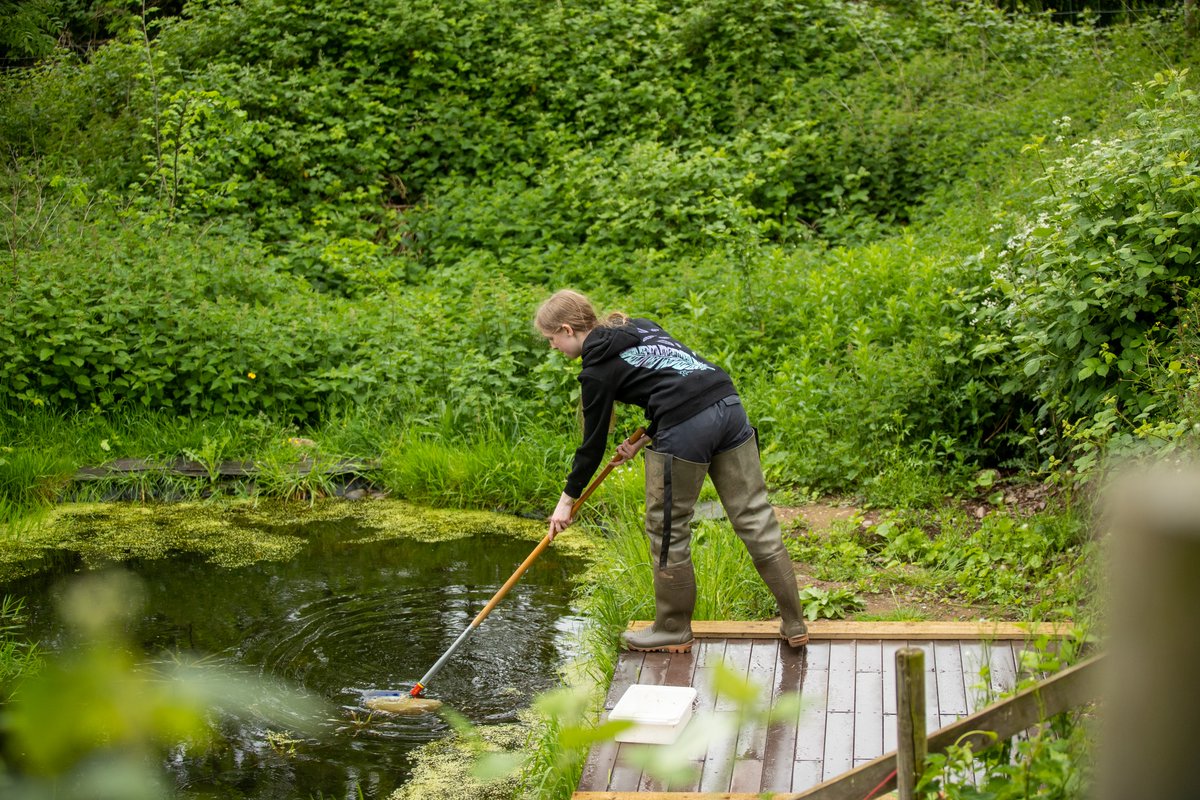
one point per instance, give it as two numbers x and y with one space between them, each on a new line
235 533
444 769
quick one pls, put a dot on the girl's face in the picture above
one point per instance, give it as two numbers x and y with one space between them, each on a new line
567 341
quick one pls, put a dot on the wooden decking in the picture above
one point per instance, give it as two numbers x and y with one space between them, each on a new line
846 682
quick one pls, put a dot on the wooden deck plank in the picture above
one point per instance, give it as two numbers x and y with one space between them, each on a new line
680 669
806 775
977 668
817 654
888 649
683 789
810 735
839 744
654 669
625 674
651 784
825 630
718 762
752 740
599 763
952 695
868 701
840 697
868 655
932 722
1003 668
737 660
690 783
625 777
751 746
779 758
708 654
747 775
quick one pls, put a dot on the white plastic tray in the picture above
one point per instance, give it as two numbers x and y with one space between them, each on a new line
659 713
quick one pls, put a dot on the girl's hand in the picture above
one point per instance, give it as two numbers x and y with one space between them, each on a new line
561 518
627 450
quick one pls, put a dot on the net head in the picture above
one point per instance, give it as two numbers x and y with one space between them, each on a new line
404 704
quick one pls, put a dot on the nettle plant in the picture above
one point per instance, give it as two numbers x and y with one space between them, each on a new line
1089 297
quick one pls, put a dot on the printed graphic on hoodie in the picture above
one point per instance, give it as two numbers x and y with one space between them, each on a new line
661 356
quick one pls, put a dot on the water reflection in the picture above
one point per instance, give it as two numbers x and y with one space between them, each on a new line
342 620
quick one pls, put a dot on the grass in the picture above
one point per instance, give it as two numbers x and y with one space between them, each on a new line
18 656
514 467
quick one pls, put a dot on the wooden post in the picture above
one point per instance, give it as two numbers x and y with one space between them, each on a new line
1152 698
911 743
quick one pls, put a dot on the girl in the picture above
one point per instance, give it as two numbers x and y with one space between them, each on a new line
698 428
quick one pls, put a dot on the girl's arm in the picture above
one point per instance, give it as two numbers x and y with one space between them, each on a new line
561 518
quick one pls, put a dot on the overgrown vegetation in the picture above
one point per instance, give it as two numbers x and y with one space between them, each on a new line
938 244
828 199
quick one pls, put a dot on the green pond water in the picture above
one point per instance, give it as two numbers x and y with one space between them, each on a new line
345 618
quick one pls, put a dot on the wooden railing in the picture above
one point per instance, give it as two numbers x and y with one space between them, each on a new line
1071 688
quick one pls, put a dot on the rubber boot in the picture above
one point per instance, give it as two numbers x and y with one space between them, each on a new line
672 488
674 601
738 476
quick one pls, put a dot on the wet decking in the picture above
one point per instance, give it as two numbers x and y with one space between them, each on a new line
846 682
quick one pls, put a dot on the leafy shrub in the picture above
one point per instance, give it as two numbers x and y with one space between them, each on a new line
207 324
628 122
1087 297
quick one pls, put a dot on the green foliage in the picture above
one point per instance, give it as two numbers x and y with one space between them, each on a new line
1054 762
1087 298
362 204
486 471
19 658
1055 759
627 121
837 555
1038 564
29 27
222 330
821 603
1041 566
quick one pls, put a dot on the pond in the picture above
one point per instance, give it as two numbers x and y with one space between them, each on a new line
343 619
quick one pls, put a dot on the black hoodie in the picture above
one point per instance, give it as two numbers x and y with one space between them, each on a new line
640 364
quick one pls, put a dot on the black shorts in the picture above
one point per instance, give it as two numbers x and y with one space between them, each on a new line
720 427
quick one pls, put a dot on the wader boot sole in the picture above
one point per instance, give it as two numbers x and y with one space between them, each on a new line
796 641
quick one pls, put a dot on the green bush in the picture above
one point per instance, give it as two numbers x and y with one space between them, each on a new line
364 204
1088 297
630 122
204 322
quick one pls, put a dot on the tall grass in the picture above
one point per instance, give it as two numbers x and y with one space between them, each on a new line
18 656
517 466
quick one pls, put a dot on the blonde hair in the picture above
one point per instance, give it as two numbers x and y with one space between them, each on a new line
569 307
